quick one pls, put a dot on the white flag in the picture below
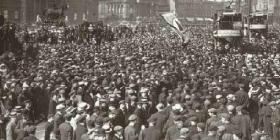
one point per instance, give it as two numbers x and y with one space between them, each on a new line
174 22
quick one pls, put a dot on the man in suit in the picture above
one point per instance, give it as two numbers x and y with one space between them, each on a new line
212 133
90 125
118 133
49 127
200 132
21 123
160 117
58 119
173 132
243 122
10 128
151 133
65 129
275 120
31 133
81 127
130 131
212 121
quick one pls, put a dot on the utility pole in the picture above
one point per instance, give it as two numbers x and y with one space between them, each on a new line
249 17
238 4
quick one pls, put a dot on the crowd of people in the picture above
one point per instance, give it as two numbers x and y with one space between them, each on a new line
145 86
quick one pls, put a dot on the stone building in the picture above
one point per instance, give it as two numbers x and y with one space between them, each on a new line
197 11
79 11
276 15
125 10
21 11
26 11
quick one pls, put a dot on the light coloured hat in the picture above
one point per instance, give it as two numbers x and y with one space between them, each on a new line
60 106
177 107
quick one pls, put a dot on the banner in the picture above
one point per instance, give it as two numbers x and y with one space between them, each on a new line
173 21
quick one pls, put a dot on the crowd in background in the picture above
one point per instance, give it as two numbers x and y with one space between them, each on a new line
143 84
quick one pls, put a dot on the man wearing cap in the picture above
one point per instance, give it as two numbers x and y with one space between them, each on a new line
21 124
58 119
275 120
229 129
265 117
242 97
118 133
173 132
200 132
151 133
140 117
90 131
242 122
130 130
212 121
52 104
29 110
81 127
160 117
10 128
49 127
123 113
184 134
31 133
65 129
24 95
212 133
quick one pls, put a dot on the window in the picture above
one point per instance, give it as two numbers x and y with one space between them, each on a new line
6 14
16 15
75 16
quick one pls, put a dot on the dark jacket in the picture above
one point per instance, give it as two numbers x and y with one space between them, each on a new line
66 131
151 133
48 130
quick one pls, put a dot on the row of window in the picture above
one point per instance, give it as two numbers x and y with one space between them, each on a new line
116 8
10 14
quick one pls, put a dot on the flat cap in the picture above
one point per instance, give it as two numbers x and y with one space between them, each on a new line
60 106
13 114
118 128
132 117
219 96
272 103
212 110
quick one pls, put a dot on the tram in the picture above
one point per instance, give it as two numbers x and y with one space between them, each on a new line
258 22
227 28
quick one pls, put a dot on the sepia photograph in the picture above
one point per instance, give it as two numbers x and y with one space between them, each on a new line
139 70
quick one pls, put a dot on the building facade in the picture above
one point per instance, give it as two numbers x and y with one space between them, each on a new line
26 11
276 15
114 10
79 11
197 10
125 10
21 11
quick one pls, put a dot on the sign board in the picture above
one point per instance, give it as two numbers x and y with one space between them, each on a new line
257 26
226 33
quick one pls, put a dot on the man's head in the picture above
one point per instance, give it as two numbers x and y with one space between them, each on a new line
178 121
